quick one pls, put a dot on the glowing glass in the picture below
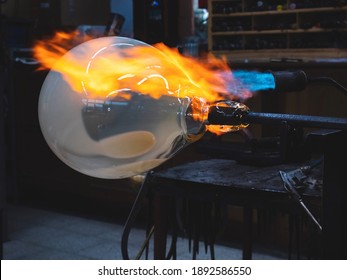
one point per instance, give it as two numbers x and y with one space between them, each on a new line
121 132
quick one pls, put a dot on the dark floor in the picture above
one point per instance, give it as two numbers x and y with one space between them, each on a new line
43 234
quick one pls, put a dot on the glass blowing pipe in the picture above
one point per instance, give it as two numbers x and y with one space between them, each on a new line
226 113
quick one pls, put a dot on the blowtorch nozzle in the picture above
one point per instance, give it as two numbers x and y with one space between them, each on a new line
287 81
278 81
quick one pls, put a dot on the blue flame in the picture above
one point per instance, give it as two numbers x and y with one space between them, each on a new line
254 81
239 81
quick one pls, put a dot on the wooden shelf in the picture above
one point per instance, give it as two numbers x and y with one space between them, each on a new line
301 33
331 55
275 12
279 31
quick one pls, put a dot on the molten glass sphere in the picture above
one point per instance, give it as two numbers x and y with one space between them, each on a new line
97 116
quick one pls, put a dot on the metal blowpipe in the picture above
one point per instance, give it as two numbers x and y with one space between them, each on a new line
229 114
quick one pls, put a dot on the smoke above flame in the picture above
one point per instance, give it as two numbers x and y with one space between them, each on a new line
100 71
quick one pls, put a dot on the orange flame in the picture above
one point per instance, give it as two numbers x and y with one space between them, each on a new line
154 70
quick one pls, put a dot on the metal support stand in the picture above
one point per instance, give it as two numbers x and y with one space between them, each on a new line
159 231
135 210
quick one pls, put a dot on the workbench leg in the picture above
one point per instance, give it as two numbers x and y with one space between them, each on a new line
248 229
334 204
2 222
161 204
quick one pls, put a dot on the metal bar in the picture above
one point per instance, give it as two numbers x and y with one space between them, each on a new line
134 212
230 116
300 120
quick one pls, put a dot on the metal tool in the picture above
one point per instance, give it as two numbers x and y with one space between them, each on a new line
290 188
297 177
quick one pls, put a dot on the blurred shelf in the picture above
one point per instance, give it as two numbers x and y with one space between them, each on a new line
245 29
